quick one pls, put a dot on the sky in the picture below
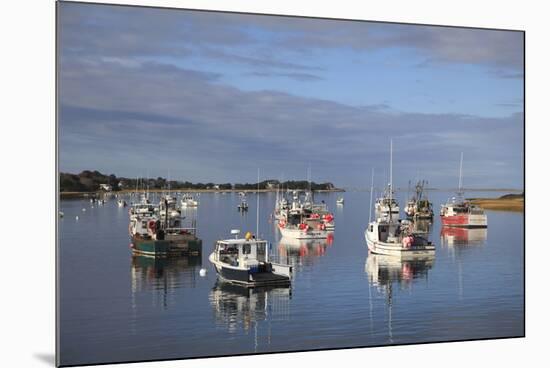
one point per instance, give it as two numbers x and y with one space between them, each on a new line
212 97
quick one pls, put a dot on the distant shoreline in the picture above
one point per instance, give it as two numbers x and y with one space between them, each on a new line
70 195
515 203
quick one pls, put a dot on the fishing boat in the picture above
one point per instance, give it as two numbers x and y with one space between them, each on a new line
188 201
459 212
157 234
243 206
387 204
298 223
389 235
121 202
245 261
419 207
395 238
303 230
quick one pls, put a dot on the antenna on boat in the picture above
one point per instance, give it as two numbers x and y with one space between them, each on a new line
309 177
371 190
258 206
460 175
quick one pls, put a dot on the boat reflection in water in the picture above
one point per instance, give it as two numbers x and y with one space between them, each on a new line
237 307
422 226
453 236
385 272
460 241
157 276
299 251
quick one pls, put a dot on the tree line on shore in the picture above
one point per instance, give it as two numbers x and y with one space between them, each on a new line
93 181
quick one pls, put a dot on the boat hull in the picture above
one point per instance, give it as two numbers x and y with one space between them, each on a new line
246 277
392 249
166 248
466 220
303 234
151 248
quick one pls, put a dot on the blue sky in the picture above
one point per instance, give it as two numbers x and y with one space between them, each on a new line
212 96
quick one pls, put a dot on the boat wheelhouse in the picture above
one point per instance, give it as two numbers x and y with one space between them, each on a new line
387 205
168 205
245 261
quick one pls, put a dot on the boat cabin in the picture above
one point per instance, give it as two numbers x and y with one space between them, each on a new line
385 231
241 253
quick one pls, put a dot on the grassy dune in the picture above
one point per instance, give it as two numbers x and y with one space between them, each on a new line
508 202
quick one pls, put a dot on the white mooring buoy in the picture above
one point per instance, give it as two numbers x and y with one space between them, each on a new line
83 210
76 218
202 272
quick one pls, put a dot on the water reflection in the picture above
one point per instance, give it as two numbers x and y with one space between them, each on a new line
383 271
455 236
386 272
238 307
302 251
422 226
459 241
158 276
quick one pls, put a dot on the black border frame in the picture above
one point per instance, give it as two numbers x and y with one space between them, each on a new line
57 198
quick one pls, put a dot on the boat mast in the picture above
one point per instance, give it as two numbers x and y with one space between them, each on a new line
391 177
460 193
371 190
258 206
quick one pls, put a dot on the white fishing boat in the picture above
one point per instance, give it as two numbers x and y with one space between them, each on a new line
395 238
245 261
390 236
299 227
383 204
189 201
299 222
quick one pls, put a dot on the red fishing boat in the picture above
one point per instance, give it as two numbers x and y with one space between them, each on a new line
460 212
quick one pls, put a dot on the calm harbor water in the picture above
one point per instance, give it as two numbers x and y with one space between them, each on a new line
116 307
